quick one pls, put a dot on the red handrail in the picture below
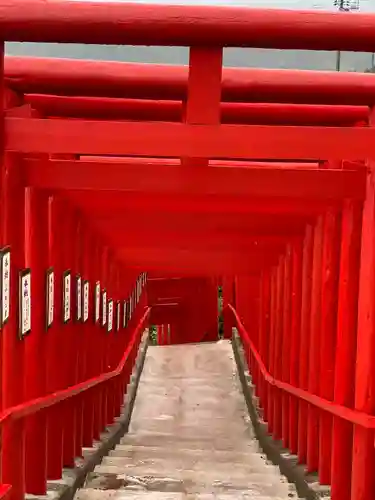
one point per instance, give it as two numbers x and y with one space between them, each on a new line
34 405
5 490
353 416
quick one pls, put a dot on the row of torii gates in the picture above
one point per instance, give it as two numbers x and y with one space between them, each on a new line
118 179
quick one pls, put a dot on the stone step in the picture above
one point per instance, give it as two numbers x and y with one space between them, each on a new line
91 494
253 464
220 456
203 428
166 439
200 481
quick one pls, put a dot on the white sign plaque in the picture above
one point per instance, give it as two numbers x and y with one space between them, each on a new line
118 324
25 303
110 315
66 296
79 298
5 285
97 302
86 291
104 310
50 294
125 312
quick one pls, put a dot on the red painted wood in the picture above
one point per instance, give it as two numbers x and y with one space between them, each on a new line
12 362
286 343
314 348
36 259
346 348
363 462
295 340
329 297
264 332
142 109
364 420
159 179
277 348
69 227
139 204
142 24
54 340
152 139
154 81
271 363
307 262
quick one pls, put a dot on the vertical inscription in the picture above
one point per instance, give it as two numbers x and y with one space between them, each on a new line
5 285
86 292
110 315
25 302
50 297
66 296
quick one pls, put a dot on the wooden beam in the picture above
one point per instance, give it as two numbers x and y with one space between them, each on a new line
159 179
202 263
226 224
74 77
201 141
155 110
107 203
121 23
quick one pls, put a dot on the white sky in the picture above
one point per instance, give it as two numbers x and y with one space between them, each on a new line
366 5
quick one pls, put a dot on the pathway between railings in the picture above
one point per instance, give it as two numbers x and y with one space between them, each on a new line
190 435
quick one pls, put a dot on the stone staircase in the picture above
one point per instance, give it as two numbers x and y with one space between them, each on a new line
190 435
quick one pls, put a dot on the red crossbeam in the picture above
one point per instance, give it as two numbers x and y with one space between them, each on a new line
151 81
159 179
189 141
247 113
142 24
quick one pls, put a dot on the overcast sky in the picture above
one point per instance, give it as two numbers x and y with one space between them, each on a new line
366 5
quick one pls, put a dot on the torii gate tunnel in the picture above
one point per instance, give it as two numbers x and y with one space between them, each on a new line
120 179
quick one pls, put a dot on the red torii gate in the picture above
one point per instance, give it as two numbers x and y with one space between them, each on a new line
296 248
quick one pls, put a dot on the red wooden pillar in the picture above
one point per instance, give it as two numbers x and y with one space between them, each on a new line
95 318
103 332
89 354
363 463
314 348
271 356
228 298
278 346
286 342
346 348
77 339
330 267
264 334
69 228
12 362
36 259
295 341
204 91
307 259
54 340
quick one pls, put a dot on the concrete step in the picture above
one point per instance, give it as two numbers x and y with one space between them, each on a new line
253 464
134 452
91 494
199 481
168 440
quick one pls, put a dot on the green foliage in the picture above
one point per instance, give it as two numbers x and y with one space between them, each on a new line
153 337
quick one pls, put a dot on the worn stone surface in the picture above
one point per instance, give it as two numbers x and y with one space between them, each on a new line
190 436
